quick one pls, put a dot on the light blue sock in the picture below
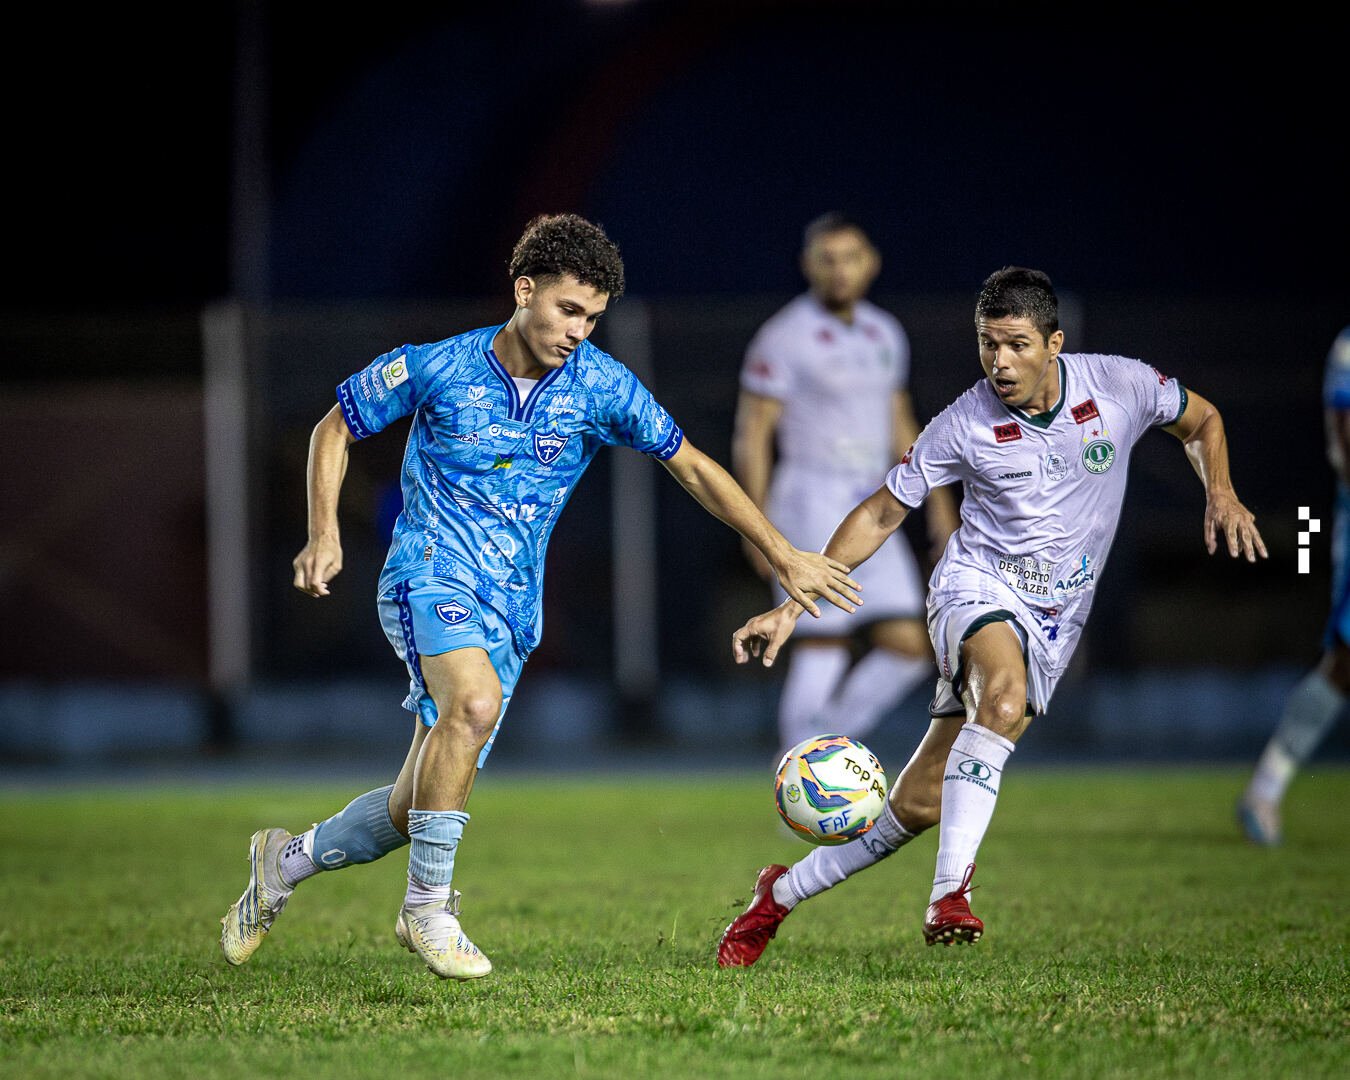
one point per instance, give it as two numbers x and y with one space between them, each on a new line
362 832
435 836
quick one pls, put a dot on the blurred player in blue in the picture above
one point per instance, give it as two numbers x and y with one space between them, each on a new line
1317 701
505 420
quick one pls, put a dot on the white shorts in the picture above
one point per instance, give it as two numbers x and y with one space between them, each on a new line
956 618
806 507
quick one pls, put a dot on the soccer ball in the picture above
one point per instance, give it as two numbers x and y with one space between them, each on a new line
829 789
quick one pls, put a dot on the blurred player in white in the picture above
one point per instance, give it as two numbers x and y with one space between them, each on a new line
1319 698
1042 447
824 411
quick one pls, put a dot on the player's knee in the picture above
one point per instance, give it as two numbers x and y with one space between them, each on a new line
471 717
1004 712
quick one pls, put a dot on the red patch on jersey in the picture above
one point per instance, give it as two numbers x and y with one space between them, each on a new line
1007 432
758 366
1162 379
1085 411
872 331
824 334
909 455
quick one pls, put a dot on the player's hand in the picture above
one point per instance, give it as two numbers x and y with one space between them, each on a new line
757 561
318 564
805 574
1226 516
765 633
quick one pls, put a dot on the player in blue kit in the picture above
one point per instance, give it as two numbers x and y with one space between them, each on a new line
505 420
1319 698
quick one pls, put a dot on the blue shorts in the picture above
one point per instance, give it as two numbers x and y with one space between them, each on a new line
427 616
1338 625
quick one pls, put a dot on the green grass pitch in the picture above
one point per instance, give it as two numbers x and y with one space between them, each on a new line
1130 932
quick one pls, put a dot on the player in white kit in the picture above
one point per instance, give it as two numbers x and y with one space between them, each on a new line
824 411
1042 446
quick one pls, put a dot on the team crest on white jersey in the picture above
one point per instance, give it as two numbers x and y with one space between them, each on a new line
1099 455
1056 466
548 445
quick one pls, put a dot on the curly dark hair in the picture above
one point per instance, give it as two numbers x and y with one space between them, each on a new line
1020 293
556 244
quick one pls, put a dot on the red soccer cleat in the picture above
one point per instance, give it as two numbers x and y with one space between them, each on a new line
751 931
949 919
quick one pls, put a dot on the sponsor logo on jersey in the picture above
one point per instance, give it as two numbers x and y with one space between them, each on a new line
1079 579
1084 411
562 403
498 552
1030 576
1013 475
1056 466
395 373
453 613
1098 455
908 456
548 445
470 437
502 431
1007 432
1162 379
503 461
825 336
759 366
475 400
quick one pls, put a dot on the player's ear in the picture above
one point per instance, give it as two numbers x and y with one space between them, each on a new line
1056 343
524 289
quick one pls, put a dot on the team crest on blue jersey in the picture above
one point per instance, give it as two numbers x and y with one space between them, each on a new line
453 613
549 445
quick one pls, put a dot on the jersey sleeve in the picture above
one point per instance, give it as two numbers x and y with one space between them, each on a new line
392 386
636 419
767 369
1336 388
933 461
1156 399
901 357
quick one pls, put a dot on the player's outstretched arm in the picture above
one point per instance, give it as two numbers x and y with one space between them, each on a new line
321 558
1200 429
856 538
752 445
803 574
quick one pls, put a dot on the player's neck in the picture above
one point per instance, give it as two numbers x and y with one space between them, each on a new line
843 312
512 354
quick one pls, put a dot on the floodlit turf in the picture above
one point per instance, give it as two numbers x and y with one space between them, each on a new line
1129 932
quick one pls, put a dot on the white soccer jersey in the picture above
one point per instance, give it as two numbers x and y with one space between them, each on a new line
835 441
1042 494
835 383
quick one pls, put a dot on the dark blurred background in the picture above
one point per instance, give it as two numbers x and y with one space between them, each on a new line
216 215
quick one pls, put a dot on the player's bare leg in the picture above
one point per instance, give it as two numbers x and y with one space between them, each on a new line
995 695
815 667
900 658
1309 713
468 698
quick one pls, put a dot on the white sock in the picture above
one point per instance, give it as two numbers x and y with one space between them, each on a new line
826 867
297 859
874 686
1312 708
419 892
813 673
969 792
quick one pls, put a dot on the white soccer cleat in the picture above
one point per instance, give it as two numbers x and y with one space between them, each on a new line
252 915
1260 820
432 932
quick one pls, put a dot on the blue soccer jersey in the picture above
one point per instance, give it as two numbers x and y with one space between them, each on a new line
487 471
1336 385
